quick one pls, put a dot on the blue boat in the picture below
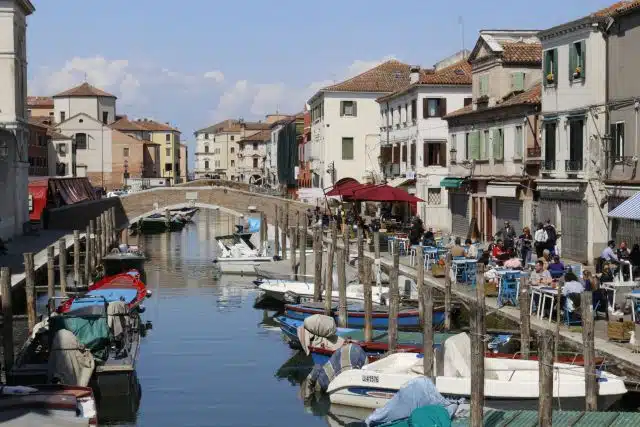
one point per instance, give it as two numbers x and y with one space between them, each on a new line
408 318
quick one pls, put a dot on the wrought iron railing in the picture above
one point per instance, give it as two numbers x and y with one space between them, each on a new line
549 165
573 165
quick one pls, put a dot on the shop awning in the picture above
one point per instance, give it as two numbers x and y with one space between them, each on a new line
451 182
629 209
495 189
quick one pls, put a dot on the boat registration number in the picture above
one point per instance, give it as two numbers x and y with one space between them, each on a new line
370 379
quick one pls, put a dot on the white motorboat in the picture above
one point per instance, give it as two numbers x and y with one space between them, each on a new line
289 291
238 255
509 383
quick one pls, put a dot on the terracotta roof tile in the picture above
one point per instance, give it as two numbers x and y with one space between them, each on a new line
455 74
530 96
263 135
386 77
124 124
153 126
521 53
39 102
232 125
51 131
55 135
617 8
85 89
122 137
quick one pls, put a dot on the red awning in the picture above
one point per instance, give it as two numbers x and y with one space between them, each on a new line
344 187
384 193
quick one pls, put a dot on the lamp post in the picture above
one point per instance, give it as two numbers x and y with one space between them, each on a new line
126 173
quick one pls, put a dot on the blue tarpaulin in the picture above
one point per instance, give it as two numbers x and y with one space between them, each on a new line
254 225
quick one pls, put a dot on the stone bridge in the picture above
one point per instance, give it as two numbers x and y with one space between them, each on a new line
233 198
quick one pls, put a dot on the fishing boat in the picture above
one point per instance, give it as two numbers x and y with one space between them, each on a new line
509 383
158 223
185 213
123 258
47 405
407 317
238 255
290 291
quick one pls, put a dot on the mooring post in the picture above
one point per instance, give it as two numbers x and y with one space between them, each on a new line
302 244
62 264
360 254
103 235
285 230
263 234
477 353
420 282
317 258
589 351
328 286
276 227
109 230
98 240
93 260
125 235
30 288
368 300
426 313
394 299
87 256
545 378
525 317
7 318
51 271
376 244
76 257
560 285
447 291
342 289
114 225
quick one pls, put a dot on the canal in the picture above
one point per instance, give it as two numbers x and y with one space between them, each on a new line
211 359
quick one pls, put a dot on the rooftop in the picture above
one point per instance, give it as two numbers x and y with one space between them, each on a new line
528 97
85 89
520 53
39 102
153 126
124 124
613 10
262 136
233 125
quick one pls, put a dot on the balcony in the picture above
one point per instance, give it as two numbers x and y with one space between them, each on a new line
573 165
548 165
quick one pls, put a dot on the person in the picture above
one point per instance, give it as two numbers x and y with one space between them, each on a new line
417 229
608 254
556 268
607 274
634 259
540 240
428 238
526 240
457 250
309 217
600 297
472 251
540 276
623 251
508 235
571 284
545 258
552 236
498 249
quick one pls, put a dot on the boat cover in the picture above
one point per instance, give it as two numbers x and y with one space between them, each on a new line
70 362
91 329
117 312
425 416
416 393
319 330
347 357
457 356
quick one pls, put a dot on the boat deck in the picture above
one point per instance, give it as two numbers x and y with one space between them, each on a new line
560 418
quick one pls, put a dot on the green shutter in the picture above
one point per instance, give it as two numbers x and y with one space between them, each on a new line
573 60
474 145
555 65
355 109
500 144
484 85
583 59
517 82
498 148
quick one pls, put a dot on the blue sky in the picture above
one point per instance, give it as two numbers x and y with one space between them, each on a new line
195 62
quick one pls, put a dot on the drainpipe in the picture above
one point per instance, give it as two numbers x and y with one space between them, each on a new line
607 118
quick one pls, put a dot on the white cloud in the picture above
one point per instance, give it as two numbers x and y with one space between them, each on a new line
359 66
215 75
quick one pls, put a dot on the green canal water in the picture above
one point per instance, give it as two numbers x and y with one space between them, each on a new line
211 359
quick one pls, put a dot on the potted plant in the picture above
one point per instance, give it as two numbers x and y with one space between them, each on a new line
577 73
550 78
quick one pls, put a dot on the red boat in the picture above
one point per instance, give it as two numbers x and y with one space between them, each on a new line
125 287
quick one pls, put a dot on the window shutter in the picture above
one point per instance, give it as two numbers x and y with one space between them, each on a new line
443 154
517 82
614 140
482 142
555 64
425 108
474 145
341 108
443 107
573 60
355 109
425 153
583 59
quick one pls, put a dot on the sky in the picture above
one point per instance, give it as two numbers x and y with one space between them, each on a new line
196 62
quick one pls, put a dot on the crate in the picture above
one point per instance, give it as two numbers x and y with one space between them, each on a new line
620 331
490 289
437 270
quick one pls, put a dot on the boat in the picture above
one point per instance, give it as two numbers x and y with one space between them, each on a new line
290 291
47 405
158 223
123 258
238 255
407 317
509 383
185 213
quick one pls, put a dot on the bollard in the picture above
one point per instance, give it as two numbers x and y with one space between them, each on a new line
51 271
545 378
368 301
86 276
62 264
317 258
76 257
328 287
302 245
360 254
285 230
477 353
447 291
591 381
276 226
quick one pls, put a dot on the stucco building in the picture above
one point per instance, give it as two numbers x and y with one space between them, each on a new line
168 139
40 106
40 148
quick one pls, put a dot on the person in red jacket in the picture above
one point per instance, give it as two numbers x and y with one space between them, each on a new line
498 249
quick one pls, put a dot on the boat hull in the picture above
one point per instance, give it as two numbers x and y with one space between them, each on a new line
239 266
115 263
355 319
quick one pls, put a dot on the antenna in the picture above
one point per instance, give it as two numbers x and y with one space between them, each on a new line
85 77
461 23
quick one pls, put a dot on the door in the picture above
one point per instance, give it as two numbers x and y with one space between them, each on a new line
574 225
459 214
545 210
508 210
488 231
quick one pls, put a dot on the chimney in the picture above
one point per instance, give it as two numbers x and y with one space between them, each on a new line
414 74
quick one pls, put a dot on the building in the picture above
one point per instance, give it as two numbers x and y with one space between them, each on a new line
39 149
86 99
491 174
14 127
251 157
413 134
130 159
574 96
304 171
345 132
184 162
40 106
168 139
151 153
282 153
63 160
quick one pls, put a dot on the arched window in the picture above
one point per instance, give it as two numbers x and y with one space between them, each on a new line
206 164
81 141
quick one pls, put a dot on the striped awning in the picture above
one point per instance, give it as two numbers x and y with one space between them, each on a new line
629 209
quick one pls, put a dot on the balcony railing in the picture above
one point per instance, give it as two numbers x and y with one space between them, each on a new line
573 165
549 165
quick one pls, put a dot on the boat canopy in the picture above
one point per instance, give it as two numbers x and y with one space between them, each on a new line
89 325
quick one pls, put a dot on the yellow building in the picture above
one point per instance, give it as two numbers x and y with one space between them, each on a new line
169 139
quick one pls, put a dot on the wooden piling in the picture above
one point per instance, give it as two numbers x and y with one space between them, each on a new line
360 254
477 352
545 378
263 234
591 381
426 313
317 258
292 251
276 226
98 240
447 291
86 274
394 299
285 230
342 288
525 317
125 236
7 318
30 288
94 262
62 264
109 233
376 244
560 285
51 271
328 281
114 225
76 257
368 300
302 245
103 235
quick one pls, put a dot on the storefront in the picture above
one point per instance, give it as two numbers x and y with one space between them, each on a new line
507 206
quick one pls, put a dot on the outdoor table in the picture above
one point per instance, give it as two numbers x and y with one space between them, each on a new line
544 292
634 297
462 264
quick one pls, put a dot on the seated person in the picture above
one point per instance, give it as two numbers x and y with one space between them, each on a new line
513 263
556 268
607 274
539 276
428 238
472 251
608 254
457 250
498 249
571 291
623 251
545 258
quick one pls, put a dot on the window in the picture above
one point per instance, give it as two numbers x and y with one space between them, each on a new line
232 137
404 153
396 154
255 146
577 65
168 167
206 136
167 137
498 145
483 84
347 148
414 109
434 153
233 149
255 162
550 145
473 145
468 101
517 82
576 144
485 145
63 116
551 67
518 142
206 164
399 117
125 152
434 196
406 113
617 138
434 107
167 152
454 146
348 108
233 163
105 117
81 141
206 148
61 149
412 157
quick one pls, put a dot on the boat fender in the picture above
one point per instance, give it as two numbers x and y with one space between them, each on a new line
142 308
277 258
149 293
215 261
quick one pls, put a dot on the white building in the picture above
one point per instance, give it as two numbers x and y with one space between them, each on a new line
574 109
86 99
252 156
14 134
345 130
413 134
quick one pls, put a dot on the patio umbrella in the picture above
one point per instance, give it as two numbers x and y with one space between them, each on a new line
344 189
384 193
